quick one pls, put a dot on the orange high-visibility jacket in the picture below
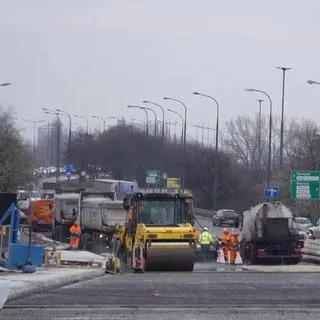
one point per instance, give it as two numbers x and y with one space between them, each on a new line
75 231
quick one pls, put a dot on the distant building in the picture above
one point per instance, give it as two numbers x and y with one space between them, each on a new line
47 144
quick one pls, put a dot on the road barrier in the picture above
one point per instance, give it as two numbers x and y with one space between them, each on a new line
204 213
311 251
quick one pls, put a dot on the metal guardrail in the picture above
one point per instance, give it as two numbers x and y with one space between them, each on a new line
204 213
311 251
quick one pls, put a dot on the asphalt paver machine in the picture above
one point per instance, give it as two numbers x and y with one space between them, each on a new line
158 234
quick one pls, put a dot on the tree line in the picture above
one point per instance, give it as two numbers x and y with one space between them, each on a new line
127 153
16 167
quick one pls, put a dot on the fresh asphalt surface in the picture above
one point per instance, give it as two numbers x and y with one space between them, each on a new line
212 291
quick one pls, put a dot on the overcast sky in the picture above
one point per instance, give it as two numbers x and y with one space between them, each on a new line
97 56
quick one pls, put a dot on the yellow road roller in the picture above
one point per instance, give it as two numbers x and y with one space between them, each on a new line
158 234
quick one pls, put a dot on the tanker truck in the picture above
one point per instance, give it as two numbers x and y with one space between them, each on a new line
268 235
99 214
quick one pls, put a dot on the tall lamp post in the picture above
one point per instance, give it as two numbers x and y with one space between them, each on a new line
283 69
182 122
158 105
58 164
68 115
217 146
85 118
270 132
147 117
259 133
155 119
184 139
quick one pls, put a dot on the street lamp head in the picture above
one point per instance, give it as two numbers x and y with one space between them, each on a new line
166 98
5 84
197 93
145 101
311 82
249 89
283 68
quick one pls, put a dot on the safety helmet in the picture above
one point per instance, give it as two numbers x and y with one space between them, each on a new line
205 229
225 230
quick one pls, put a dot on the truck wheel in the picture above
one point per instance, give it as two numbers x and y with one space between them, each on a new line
59 232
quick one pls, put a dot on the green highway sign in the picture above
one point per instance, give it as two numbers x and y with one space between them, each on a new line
305 185
153 177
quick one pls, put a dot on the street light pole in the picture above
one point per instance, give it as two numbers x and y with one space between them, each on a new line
68 115
156 104
58 164
217 147
103 121
147 117
259 133
86 119
270 132
155 119
282 113
184 139
182 122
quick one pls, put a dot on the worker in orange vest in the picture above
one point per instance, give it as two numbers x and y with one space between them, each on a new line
233 247
225 242
75 232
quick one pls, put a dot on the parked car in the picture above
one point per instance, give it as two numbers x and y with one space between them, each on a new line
302 224
227 217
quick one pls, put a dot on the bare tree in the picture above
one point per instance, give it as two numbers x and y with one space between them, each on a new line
15 158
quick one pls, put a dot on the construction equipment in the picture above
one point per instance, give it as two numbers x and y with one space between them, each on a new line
40 214
99 214
25 257
65 212
158 234
268 234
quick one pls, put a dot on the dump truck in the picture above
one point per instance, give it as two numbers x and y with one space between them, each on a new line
268 235
65 206
158 234
99 215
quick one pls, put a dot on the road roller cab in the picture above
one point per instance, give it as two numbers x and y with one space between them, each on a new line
159 232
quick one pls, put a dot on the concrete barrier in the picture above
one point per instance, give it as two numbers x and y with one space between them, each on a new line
311 251
204 213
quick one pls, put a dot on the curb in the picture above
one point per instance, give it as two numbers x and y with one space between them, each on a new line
45 285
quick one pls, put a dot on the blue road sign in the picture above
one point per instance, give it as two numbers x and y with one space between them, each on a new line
271 192
69 168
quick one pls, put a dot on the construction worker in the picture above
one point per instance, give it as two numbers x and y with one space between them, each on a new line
75 232
205 239
233 247
225 242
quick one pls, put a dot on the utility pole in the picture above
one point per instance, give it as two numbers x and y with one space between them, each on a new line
259 134
282 113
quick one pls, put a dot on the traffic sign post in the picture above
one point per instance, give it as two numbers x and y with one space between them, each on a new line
173 183
271 191
69 170
153 177
305 185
